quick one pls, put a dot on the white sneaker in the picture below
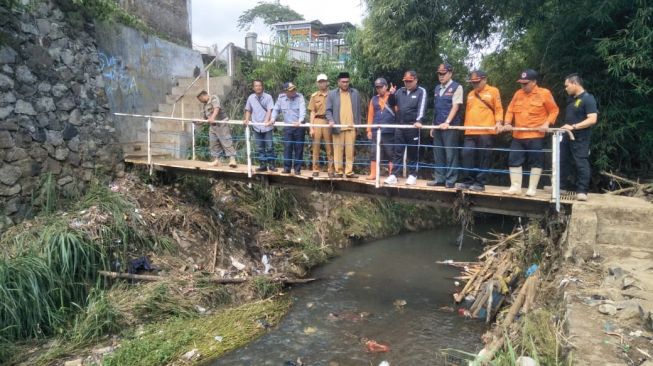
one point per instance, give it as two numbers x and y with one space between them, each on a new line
581 197
411 180
391 179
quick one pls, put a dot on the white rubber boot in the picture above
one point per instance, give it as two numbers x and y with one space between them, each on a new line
536 173
515 181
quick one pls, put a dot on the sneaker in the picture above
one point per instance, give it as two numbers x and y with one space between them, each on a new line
581 197
261 169
316 174
477 187
392 179
462 185
298 172
286 171
272 169
411 180
434 183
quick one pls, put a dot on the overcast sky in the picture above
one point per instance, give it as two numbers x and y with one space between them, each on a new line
214 21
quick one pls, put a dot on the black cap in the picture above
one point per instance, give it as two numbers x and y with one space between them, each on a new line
343 75
527 75
476 76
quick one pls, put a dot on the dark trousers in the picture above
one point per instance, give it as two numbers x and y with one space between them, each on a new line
526 151
264 148
476 162
405 138
293 147
387 147
445 155
576 152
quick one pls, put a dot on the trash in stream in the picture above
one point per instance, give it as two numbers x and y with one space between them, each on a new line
218 338
234 262
399 303
310 330
266 264
140 264
374 346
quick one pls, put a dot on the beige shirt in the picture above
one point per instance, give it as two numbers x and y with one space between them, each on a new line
346 111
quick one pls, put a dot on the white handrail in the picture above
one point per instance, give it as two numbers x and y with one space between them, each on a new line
555 146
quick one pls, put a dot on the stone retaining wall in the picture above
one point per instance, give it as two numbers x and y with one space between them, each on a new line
54 111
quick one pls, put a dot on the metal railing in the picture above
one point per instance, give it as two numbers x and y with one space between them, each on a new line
556 138
266 50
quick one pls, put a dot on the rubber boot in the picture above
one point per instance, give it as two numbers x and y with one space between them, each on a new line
536 173
515 181
232 162
372 175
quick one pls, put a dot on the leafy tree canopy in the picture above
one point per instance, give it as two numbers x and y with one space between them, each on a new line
269 13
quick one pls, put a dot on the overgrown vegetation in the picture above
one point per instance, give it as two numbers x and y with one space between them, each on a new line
162 343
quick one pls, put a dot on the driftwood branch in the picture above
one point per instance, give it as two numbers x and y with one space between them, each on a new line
616 177
139 277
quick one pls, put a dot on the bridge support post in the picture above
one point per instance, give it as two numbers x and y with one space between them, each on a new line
149 144
248 144
192 137
378 158
556 137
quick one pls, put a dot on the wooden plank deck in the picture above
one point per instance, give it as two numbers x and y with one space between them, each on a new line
491 200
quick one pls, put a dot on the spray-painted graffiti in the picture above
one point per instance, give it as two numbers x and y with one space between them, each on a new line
120 83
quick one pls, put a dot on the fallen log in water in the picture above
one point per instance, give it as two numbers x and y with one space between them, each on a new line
139 277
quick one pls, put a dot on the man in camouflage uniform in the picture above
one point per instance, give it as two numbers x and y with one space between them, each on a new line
220 142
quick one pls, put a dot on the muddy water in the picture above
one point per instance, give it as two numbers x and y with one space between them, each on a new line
360 297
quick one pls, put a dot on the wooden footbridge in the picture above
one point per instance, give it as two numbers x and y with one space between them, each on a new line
492 200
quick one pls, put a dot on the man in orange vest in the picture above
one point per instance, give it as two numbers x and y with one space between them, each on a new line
531 107
483 110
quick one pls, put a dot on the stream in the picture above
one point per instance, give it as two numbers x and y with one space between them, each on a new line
390 291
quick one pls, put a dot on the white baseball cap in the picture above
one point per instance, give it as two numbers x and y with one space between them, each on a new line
322 77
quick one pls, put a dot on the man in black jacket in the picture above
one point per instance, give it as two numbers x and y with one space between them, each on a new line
411 106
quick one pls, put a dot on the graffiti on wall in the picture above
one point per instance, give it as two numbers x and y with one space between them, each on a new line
119 81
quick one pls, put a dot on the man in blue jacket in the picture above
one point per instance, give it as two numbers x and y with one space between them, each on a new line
343 111
293 107
447 101
411 105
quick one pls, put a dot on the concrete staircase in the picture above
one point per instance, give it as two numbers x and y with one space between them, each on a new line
171 138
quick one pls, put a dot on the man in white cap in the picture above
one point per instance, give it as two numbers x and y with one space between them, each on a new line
317 110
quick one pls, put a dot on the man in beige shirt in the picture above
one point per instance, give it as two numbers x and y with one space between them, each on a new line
343 111
317 109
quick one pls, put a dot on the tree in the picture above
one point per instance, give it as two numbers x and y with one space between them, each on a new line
269 13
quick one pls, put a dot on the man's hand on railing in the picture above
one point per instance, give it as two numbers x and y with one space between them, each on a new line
498 126
567 127
369 135
246 122
417 124
296 123
269 123
332 123
544 127
507 127
444 126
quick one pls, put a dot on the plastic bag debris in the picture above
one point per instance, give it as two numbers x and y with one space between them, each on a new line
374 346
266 264
234 262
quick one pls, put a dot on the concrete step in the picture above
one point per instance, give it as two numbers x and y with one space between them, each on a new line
184 82
625 236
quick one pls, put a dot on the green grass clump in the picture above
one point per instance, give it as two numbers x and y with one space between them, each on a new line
164 343
266 288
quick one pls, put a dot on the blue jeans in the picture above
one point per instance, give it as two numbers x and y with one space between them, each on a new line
264 148
293 147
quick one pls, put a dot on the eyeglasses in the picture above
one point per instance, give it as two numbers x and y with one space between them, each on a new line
442 73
